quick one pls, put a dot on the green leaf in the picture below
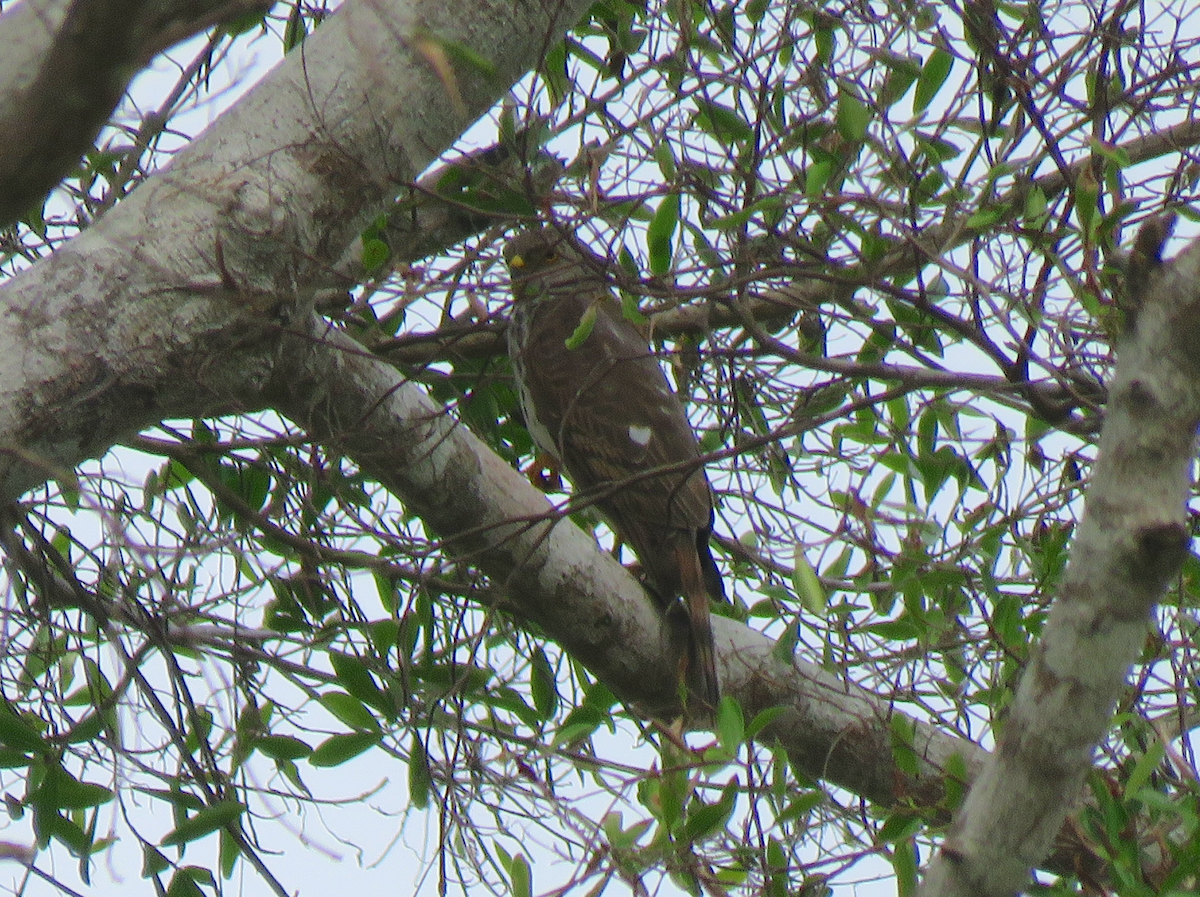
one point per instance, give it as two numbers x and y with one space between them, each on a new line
187 880
723 123
1087 196
623 838
420 779
816 176
1035 213
598 698
673 788
229 853
983 219
375 253
462 677
542 684
904 862
62 791
553 71
385 586
349 709
665 160
730 725
198 731
955 777
823 37
660 235
282 747
853 117
52 824
584 328
899 826
1144 767
242 23
62 542
801 805
705 820
250 482
520 877
18 734
580 723
763 719
353 675
469 59
937 147
153 861
784 648
903 71
179 800
569 733
14 759
901 630
630 311
903 735
807 584
204 823
338 749
295 31
292 772
68 487
933 76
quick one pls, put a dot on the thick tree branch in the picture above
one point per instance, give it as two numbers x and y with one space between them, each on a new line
176 301
1131 543
65 66
131 321
555 575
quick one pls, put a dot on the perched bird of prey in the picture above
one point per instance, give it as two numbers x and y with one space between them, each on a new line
596 399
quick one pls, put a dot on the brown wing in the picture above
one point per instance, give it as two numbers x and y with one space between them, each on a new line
614 419
604 408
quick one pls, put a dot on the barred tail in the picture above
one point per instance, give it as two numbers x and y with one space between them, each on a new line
702 655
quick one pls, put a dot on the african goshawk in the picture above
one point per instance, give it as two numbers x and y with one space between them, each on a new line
596 399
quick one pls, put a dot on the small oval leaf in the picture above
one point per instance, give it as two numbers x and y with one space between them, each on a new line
282 747
420 780
204 823
583 330
338 749
933 76
349 709
542 685
807 584
660 235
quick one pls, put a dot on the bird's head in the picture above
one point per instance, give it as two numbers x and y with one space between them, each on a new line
531 252
544 267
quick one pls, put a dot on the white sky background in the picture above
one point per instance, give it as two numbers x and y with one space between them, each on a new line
386 849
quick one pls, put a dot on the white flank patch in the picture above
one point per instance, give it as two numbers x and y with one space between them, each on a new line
640 435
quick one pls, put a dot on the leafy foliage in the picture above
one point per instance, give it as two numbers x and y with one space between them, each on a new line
904 244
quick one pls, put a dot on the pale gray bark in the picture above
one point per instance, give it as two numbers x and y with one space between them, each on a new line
186 299
176 304
552 573
135 319
65 66
1131 543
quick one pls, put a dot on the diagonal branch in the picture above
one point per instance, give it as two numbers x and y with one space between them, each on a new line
555 575
1131 543
139 317
66 65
